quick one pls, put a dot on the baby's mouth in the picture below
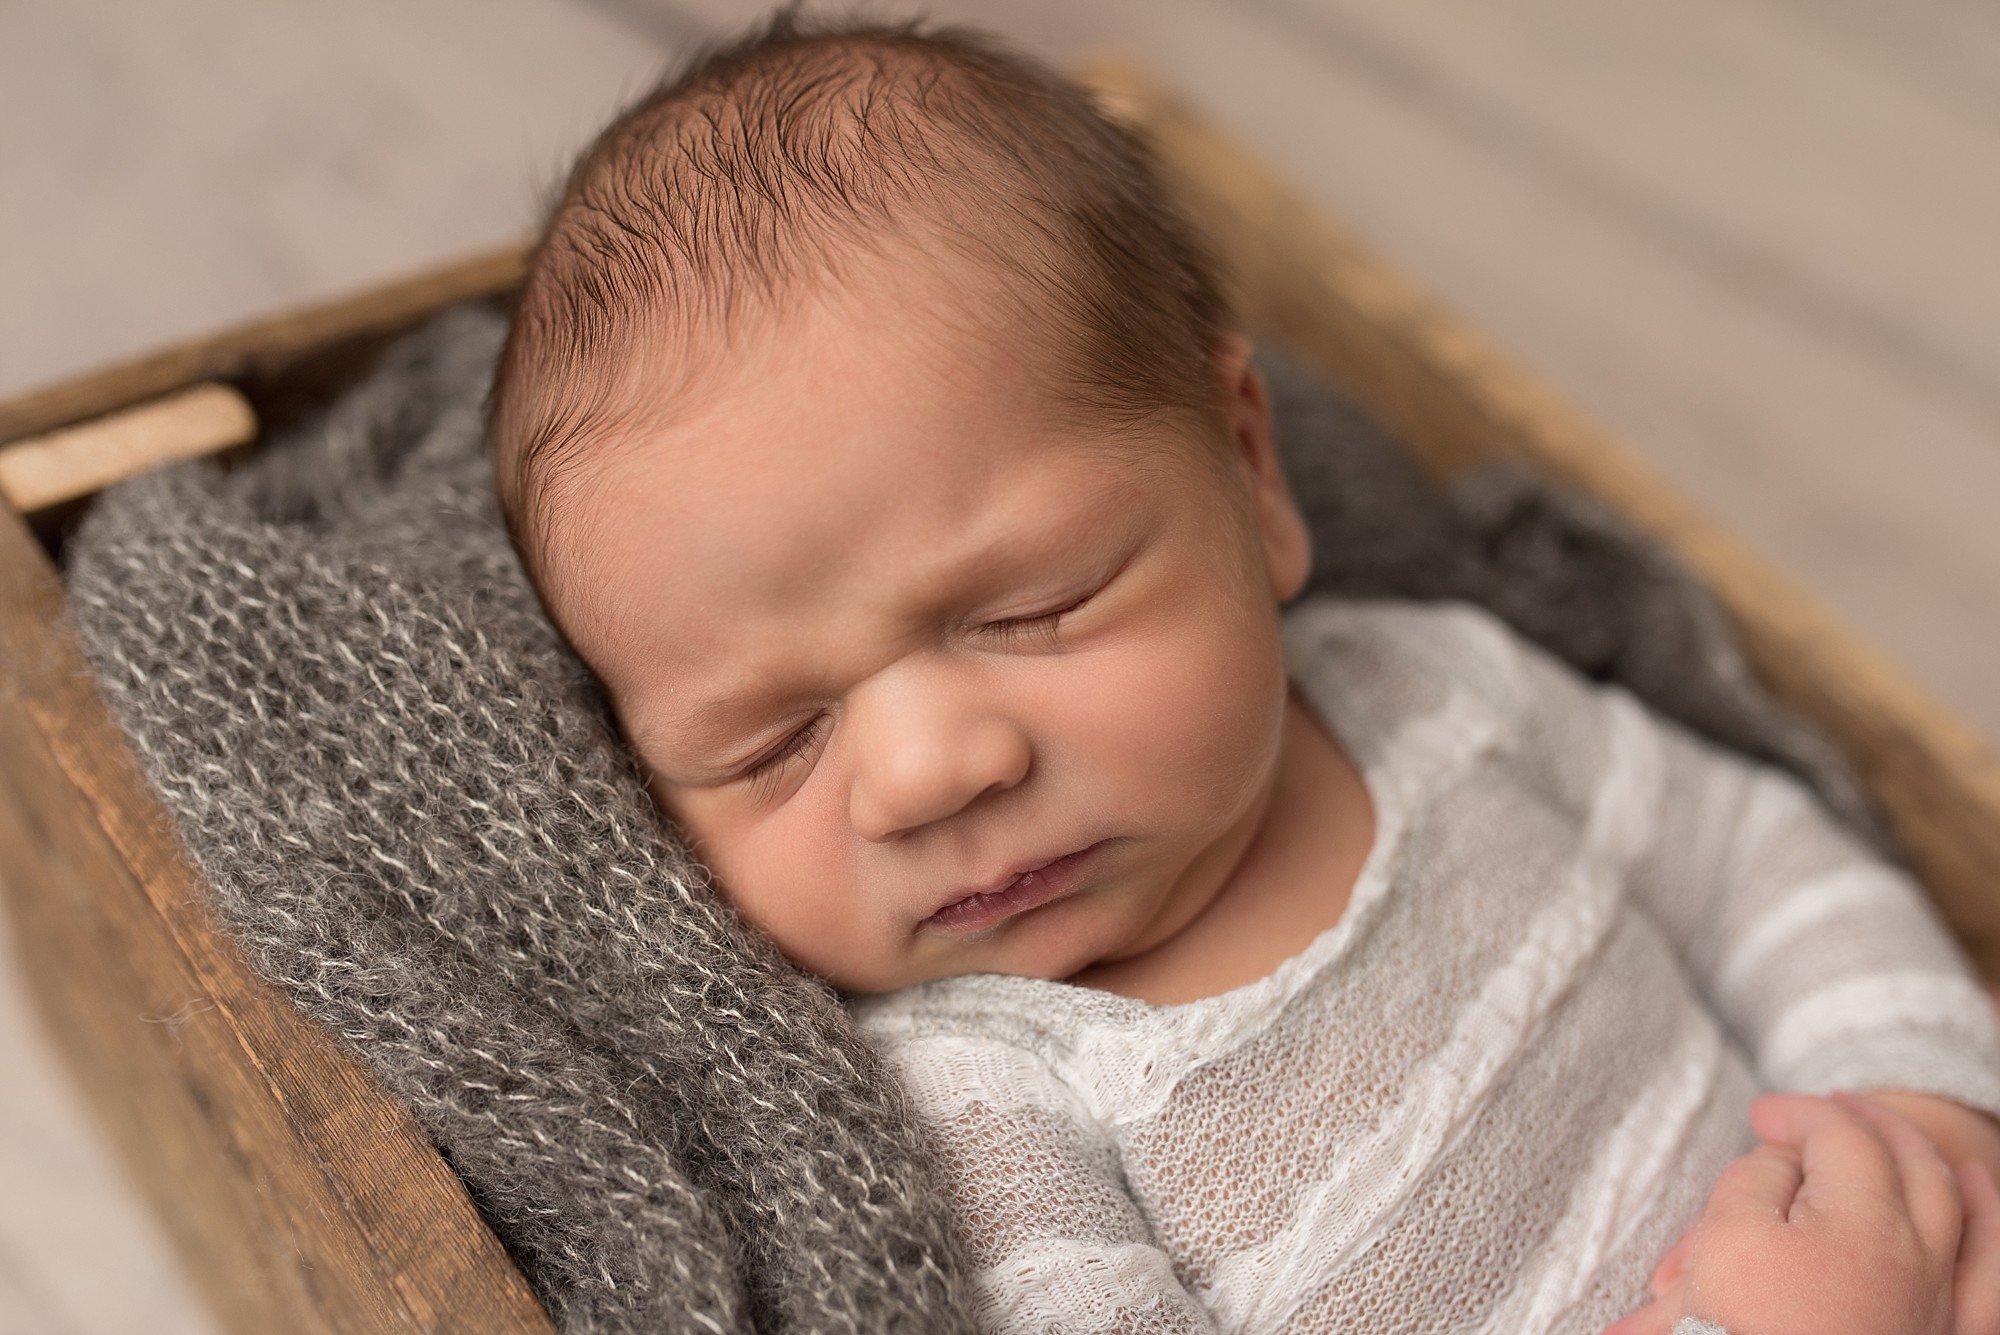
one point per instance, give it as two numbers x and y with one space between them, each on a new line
1027 889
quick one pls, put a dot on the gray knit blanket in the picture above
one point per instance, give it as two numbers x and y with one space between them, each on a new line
415 819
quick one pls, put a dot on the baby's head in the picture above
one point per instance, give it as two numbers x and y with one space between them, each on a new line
873 427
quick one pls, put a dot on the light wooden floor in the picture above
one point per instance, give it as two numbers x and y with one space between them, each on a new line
1754 237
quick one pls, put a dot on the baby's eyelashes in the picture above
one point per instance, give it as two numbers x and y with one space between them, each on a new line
767 775
1039 627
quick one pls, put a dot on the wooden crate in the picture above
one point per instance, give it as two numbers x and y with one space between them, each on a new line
306 1201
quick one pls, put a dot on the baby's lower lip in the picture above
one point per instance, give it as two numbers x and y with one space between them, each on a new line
976 913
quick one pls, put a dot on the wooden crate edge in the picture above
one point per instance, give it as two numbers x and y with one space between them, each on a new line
345 1218
261 346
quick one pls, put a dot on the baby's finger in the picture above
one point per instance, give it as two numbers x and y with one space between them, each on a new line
1841 1154
1776 1117
1930 1188
1975 1290
1758 1188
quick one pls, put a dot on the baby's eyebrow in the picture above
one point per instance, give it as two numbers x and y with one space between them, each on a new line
1005 557
701 728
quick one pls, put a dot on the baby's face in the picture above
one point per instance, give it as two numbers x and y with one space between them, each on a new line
937 679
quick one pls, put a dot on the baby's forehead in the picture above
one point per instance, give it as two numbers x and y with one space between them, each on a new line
896 343
835 472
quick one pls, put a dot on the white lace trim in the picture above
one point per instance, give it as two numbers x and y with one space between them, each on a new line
1060 1283
955 1073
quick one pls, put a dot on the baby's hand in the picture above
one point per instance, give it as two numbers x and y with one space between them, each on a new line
1845 1219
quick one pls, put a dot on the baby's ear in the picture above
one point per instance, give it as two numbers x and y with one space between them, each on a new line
1247 414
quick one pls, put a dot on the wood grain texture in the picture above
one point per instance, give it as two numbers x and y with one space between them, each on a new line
302 1198
77 461
261 348
1454 400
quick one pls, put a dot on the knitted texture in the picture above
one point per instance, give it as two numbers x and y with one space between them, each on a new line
413 816
401 792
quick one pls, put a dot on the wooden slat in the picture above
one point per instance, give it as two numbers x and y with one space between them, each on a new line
1454 400
302 1199
77 461
262 347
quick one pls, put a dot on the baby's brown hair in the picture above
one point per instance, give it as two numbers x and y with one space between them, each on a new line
764 162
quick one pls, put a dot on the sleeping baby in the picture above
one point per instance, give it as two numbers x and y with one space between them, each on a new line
876 430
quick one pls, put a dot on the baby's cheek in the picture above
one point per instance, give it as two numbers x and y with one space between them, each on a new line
789 876
1188 724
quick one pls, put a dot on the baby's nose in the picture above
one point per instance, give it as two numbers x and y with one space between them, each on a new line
928 760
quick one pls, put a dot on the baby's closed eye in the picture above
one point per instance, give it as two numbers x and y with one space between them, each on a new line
767 773
1041 627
